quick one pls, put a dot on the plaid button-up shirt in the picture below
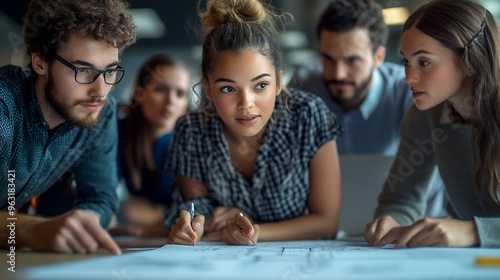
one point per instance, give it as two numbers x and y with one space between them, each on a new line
280 183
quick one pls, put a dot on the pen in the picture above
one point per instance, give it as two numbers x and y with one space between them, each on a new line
241 228
488 261
195 240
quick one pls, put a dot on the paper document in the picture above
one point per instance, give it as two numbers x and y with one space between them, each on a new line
315 259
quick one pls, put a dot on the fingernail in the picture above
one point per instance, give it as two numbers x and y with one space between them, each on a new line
196 226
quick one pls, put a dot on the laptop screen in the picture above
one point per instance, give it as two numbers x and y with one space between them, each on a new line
362 178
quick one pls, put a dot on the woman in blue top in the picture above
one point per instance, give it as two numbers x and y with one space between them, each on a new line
259 162
161 96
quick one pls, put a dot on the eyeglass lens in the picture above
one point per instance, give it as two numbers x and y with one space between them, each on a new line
88 75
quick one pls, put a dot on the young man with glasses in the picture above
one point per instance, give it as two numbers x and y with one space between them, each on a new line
58 116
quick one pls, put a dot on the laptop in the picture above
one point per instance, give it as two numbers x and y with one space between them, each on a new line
362 178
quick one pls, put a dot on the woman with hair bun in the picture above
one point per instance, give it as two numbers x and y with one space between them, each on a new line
259 162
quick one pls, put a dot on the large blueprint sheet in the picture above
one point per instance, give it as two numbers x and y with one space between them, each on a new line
311 259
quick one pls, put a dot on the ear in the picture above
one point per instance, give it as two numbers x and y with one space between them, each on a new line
40 65
470 72
279 87
379 56
206 88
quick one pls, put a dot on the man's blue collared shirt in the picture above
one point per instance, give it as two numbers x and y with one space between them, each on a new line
373 128
39 157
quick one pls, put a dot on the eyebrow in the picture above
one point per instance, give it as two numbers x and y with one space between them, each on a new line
416 53
340 58
325 55
84 63
252 80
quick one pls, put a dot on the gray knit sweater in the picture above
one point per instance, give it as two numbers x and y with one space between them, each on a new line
437 136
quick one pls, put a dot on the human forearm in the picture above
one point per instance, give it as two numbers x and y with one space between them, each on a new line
104 207
96 186
310 226
77 231
14 231
405 190
98 196
403 195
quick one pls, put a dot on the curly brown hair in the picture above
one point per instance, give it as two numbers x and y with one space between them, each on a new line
49 24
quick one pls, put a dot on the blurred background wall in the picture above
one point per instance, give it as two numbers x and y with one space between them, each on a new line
171 27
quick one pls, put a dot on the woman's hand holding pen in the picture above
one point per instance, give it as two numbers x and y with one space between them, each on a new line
216 222
240 231
186 231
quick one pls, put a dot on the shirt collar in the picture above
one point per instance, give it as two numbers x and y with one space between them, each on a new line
450 116
373 98
35 112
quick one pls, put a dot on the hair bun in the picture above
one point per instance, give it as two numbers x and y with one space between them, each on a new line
220 12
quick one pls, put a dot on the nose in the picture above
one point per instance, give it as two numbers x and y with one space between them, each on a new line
411 77
170 96
246 100
99 87
338 70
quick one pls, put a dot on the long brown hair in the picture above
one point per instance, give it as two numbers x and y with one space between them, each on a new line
470 31
138 138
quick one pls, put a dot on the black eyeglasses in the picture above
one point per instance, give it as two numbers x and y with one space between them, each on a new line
88 75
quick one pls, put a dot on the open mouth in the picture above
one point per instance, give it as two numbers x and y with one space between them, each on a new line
247 119
416 93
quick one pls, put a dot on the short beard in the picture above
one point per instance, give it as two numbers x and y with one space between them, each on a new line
64 110
359 94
